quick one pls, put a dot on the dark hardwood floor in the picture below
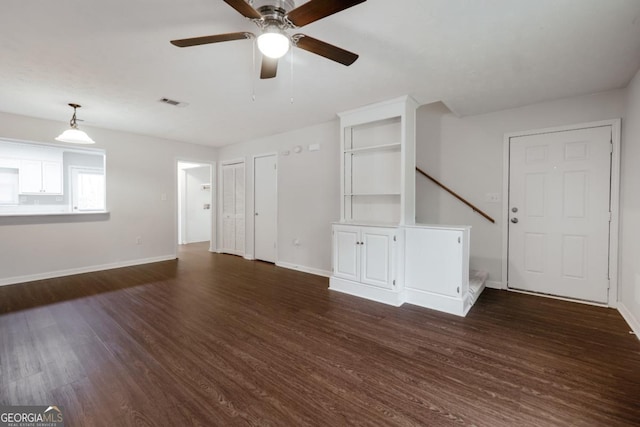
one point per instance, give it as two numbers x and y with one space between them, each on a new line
217 340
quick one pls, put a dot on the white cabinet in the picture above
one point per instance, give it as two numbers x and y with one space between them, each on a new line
365 262
378 162
365 254
40 177
346 254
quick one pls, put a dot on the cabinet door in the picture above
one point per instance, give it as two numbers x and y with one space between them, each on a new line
30 177
346 263
51 178
377 252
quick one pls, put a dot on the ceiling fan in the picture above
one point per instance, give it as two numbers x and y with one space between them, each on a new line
274 18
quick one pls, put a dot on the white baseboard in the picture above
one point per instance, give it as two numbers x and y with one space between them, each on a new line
373 293
81 270
310 270
447 304
630 319
492 284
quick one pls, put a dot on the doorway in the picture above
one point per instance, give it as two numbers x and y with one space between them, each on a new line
195 202
562 208
265 174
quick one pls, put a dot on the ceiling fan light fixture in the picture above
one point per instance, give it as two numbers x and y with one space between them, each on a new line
74 135
273 43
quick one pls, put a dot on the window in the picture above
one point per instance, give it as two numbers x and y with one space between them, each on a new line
87 189
8 186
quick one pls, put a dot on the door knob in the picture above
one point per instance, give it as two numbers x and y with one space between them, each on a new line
514 220
514 209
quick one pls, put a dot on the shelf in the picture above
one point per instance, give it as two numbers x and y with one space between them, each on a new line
371 194
374 148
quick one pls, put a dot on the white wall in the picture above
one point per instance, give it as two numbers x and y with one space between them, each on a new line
139 170
466 154
308 193
629 274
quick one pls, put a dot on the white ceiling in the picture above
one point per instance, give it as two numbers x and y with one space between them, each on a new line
476 56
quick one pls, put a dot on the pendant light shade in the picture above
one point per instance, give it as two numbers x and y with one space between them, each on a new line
75 135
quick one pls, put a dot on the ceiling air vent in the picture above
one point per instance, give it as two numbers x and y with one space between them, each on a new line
173 102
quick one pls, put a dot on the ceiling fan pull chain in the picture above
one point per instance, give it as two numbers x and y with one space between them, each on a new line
292 76
255 72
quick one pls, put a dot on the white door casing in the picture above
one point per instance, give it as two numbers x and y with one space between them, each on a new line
265 207
559 183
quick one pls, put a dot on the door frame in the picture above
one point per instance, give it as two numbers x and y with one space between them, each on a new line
219 198
214 189
253 165
614 202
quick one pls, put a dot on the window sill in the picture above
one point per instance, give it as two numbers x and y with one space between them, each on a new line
30 214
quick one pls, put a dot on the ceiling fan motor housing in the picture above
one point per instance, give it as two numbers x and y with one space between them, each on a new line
274 11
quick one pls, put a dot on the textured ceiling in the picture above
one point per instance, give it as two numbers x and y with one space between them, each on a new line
476 56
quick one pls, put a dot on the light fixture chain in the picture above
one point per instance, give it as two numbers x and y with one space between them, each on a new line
254 76
291 76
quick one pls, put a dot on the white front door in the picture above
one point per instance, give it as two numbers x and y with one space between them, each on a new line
559 187
233 197
265 207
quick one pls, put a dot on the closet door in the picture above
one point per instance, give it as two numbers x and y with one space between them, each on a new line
233 196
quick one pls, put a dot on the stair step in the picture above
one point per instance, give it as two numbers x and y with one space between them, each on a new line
477 279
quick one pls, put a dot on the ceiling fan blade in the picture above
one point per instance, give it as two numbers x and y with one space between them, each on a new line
269 67
244 8
195 41
327 50
317 9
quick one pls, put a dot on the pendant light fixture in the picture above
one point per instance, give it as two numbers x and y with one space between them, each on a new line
74 135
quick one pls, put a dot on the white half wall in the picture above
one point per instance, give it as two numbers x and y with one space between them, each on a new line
308 193
140 170
466 154
629 268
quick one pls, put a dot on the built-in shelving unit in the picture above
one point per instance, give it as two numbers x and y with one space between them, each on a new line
378 157
379 253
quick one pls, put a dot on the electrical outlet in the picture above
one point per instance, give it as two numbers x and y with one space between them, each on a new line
492 197
138 240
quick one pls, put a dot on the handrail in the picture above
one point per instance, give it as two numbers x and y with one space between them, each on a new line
454 194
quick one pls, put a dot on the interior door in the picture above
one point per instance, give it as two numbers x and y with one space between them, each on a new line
559 186
233 208
265 206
